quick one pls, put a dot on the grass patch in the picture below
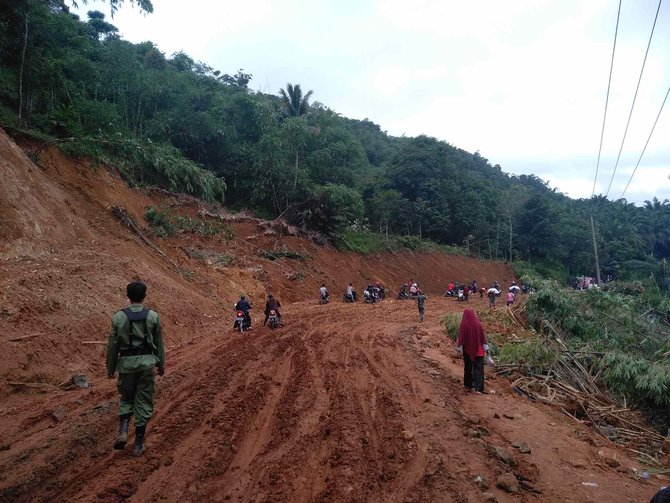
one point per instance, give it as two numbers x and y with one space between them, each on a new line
166 224
210 256
535 352
451 322
365 242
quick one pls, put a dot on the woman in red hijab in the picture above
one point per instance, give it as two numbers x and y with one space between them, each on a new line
472 344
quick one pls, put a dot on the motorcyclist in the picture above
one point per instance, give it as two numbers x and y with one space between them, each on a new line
369 294
271 304
244 306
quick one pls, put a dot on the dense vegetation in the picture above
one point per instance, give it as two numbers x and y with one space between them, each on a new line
626 325
178 123
620 332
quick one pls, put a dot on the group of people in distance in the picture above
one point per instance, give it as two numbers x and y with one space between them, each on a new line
372 293
461 291
495 291
409 290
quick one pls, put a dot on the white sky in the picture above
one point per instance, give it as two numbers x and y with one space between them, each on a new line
522 81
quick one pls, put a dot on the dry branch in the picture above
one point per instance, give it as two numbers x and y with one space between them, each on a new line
30 384
569 384
122 215
23 337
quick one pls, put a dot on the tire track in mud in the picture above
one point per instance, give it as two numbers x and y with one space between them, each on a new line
183 413
314 411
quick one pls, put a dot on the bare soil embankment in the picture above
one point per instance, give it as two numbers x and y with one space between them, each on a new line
344 403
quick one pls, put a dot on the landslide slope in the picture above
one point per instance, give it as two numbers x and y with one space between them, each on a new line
345 403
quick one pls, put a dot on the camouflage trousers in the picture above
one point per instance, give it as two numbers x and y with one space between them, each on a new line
137 395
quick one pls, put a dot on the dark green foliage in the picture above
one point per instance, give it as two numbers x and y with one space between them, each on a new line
166 224
628 323
185 126
639 378
535 352
293 101
331 208
452 323
160 221
360 241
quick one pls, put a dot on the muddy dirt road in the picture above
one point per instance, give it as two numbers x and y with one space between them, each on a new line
345 403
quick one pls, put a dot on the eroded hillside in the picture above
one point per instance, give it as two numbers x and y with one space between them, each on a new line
345 403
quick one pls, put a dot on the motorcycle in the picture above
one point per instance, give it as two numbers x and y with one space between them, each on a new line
241 322
371 297
349 298
403 296
323 299
273 319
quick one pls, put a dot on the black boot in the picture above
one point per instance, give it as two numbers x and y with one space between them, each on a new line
138 450
123 432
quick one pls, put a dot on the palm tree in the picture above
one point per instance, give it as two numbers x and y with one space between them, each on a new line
294 103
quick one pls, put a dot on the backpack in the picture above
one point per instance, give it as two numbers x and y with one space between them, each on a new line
136 317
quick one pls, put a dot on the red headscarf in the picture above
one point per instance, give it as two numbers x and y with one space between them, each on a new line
471 334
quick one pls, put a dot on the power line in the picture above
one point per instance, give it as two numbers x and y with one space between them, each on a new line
645 145
644 62
609 83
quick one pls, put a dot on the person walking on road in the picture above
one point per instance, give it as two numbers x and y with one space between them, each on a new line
491 294
472 344
421 303
134 349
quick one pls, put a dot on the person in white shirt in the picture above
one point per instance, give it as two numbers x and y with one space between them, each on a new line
350 293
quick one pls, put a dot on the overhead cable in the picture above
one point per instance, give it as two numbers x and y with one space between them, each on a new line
609 83
644 62
647 143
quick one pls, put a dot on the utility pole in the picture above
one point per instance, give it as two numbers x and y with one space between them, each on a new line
595 249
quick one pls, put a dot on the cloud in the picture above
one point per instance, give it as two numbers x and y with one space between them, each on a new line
523 82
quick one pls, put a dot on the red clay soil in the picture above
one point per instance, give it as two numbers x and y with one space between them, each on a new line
344 403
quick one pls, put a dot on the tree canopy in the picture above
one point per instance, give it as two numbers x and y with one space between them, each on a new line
174 121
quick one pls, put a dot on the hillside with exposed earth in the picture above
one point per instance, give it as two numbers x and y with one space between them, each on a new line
346 402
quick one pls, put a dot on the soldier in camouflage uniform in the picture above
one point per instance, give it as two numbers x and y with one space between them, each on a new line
134 349
421 303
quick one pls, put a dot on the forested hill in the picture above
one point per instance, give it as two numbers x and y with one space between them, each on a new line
178 123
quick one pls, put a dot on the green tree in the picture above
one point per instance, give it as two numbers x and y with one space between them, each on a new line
537 234
144 5
100 28
293 102
295 105
385 207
